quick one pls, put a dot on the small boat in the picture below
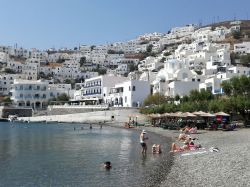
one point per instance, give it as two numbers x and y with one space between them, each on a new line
12 118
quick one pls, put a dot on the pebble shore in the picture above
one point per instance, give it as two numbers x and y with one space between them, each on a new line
228 167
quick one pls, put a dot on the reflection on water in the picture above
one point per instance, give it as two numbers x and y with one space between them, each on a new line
61 155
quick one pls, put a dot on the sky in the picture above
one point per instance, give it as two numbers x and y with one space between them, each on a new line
44 24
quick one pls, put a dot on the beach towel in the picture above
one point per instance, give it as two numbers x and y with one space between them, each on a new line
194 152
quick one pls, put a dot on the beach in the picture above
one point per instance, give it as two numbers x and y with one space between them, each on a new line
228 167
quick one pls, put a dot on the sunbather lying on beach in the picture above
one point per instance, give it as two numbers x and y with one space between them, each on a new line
185 129
188 146
183 137
175 148
193 130
189 130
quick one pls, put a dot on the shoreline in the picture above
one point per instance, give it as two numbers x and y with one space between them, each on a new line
228 167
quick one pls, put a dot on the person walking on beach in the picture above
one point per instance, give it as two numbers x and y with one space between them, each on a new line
142 142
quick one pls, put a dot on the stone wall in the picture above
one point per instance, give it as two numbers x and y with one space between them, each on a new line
20 112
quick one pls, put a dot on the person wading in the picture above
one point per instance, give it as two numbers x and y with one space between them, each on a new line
142 142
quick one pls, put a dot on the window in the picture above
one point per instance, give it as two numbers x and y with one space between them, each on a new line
193 80
125 99
133 88
129 88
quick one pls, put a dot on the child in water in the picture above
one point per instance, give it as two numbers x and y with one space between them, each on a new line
107 165
156 148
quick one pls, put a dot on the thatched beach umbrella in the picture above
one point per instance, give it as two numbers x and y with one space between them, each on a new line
221 114
188 114
199 113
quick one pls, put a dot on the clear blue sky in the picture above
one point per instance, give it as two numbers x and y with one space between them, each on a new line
67 23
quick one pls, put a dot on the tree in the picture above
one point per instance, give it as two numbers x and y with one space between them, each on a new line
167 54
245 59
9 71
233 57
82 61
163 59
63 97
236 34
6 100
177 98
155 99
149 48
92 47
132 67
102 71
227 87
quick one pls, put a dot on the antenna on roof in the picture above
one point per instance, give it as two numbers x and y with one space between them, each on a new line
200 23
218 19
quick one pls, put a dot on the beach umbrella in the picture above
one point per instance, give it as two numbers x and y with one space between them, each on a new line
188 114
179 114
199 113
207 115
221 114
166 114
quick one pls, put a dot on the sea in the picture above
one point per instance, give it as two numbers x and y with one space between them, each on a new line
60 154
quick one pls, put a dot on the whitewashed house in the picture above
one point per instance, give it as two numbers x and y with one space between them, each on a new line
242 48
131 93
30 93
176 78
36 93
96 88
6 82
16 66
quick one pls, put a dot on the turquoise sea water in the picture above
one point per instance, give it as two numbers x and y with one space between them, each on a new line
57 155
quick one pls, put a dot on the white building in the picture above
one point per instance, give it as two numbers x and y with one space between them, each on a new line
176 78
4 57
16 66
131 93
242 48
6 82
30 93
96 88
150 64
30 70
213 83
36 93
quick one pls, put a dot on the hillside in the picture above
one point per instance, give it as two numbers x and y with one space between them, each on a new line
242 36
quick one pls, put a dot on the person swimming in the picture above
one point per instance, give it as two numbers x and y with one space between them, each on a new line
107 165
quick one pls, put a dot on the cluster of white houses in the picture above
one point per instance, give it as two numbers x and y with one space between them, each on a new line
188 58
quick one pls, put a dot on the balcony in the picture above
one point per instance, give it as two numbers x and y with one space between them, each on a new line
90 86
88 94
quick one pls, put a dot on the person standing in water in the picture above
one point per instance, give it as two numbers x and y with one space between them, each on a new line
142 142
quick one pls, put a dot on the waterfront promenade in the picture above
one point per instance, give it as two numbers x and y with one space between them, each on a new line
228 167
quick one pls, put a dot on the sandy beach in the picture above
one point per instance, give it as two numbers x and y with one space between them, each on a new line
228 167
